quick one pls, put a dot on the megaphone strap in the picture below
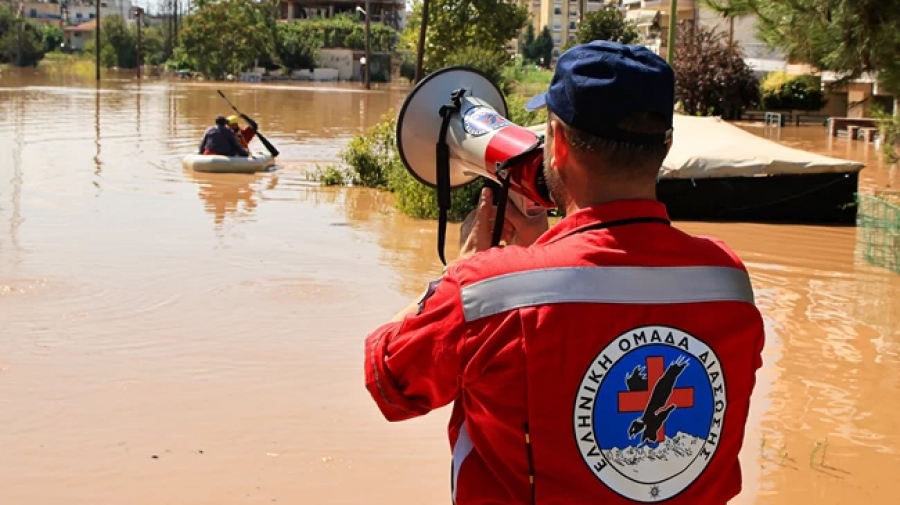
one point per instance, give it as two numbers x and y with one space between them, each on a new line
502 198
501 168
443 168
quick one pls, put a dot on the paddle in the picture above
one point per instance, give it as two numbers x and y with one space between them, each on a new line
262 139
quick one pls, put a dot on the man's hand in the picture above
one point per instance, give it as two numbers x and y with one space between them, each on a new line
527 227
518 228
478 228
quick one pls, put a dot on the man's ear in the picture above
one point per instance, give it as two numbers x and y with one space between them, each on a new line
560 148
669 140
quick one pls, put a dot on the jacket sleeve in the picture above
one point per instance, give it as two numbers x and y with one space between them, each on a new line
414 366
251 122
233 140
203 141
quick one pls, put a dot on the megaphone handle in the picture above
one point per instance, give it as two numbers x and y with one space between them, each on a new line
502 198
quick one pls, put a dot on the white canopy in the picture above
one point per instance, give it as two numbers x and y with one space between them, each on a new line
710 147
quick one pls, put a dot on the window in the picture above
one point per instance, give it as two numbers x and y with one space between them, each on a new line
573 14
556 27
32 13
557 10
572 26
556 38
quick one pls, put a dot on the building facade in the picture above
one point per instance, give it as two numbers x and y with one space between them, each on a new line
389 12
650 16
69 13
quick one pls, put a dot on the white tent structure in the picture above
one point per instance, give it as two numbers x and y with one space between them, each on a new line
710 147
717 171
706 147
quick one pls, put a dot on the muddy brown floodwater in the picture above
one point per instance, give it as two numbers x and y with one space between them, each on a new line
172 337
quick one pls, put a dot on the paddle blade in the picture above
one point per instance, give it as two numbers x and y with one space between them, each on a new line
268 145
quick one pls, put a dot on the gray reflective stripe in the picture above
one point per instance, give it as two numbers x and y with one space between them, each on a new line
461 451
627 285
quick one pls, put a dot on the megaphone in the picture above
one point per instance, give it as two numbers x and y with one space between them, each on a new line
453 128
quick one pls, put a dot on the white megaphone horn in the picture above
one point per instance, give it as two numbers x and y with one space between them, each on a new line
452 129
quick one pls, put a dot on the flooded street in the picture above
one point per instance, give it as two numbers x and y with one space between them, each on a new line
174 337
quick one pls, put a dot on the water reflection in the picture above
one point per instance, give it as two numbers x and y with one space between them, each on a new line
231 194
97 163
137 104
15 220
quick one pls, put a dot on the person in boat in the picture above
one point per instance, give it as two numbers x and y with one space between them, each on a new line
607 359
245 134
220 140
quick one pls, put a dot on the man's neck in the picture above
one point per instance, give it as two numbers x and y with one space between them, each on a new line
610 192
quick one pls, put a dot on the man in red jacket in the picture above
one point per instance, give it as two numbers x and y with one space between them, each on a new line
607 360
245 134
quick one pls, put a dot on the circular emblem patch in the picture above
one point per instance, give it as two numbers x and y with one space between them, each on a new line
480 120
649 411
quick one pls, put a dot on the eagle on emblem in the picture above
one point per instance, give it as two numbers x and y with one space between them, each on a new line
654 414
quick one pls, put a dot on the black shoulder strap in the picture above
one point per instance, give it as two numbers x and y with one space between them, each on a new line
624 222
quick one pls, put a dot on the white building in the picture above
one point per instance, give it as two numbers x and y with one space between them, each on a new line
82 12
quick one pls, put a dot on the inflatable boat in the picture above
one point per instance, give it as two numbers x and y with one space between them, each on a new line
257 162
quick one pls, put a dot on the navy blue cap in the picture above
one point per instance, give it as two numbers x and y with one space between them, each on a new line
595 85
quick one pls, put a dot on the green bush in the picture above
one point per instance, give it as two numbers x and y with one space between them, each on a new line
408 69
889 126
21 42
297 44
783 92
329 176
373 155
518 115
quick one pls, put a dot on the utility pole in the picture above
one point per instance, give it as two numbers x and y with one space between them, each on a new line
368 56
97 38
673 18
175 8
139 15
20 21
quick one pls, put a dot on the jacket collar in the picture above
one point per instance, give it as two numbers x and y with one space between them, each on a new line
604 213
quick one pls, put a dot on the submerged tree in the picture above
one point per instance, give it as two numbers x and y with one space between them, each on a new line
20 42
710 79
455 26
227 36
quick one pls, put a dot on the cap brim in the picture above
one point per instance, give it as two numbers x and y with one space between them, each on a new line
538 102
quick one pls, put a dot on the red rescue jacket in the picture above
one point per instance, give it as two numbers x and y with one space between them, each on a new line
245 135
611 362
